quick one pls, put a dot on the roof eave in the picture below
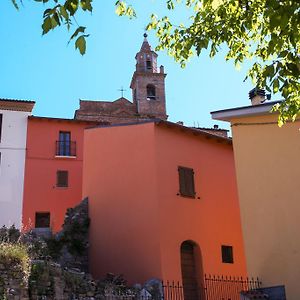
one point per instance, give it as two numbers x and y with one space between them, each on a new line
240 112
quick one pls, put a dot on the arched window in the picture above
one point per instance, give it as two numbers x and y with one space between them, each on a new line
151 94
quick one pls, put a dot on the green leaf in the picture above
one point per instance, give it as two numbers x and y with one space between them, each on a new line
14 2
64 13
80 29
47 25
275 85
80 44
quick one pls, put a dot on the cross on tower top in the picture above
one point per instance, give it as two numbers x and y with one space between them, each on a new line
122 91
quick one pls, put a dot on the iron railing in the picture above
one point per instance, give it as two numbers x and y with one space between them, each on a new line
228 287
213 288
65 148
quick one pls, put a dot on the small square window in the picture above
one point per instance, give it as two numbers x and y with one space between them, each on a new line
42 220
62 178
227 254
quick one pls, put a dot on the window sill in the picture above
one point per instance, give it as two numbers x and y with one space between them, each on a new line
62 187
65 156
186 196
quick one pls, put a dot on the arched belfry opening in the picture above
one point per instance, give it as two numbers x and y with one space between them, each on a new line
151 92
191 270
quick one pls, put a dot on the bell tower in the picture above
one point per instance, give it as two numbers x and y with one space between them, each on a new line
148 84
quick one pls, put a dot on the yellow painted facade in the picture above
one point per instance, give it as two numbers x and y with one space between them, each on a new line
267 160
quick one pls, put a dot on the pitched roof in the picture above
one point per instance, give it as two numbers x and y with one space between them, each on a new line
168 124
66 120
16 104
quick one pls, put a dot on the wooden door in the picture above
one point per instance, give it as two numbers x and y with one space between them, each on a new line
188 271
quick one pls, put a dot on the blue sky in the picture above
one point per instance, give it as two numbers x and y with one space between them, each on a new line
47 70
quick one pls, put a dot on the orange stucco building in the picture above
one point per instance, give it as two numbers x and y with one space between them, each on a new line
163 202
53 170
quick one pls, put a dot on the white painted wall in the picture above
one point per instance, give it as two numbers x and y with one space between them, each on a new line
12 165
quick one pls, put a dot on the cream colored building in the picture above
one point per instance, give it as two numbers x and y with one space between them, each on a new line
267 160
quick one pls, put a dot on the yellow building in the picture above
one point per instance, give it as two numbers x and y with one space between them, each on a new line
267 160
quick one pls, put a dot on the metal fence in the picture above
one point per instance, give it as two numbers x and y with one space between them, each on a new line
65 148
215 287
228 287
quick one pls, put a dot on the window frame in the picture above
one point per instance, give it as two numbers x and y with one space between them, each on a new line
46 214
148 64
186 187
58 179
64 143
151 87
227 254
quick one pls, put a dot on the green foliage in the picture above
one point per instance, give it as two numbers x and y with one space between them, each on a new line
264 31
16 252
54 247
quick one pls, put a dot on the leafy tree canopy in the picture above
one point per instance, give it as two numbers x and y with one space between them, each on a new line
264 31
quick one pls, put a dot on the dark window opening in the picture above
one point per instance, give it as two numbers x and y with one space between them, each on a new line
1 117
42 220
62 178
186 182
227 254
148 64
151 93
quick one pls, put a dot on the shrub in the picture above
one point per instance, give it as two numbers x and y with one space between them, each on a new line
16 252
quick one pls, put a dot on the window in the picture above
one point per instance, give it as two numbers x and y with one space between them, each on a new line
186 182
227 254
64 143
42 220
148 64
1 117
151 94
62 178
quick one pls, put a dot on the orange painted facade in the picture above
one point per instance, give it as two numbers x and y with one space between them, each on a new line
139 220
41 193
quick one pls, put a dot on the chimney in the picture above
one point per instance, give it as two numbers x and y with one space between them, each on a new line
216 126
162 69
179 123
257 96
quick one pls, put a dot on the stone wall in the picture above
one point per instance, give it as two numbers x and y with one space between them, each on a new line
58 266
13 280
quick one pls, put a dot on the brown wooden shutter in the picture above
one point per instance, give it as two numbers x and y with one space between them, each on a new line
186 182
62 178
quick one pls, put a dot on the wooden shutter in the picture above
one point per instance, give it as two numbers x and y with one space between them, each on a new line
62 178
186 182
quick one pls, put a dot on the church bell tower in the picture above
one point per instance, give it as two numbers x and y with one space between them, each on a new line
148 84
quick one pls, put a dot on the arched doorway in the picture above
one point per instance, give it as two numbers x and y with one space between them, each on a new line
191 270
